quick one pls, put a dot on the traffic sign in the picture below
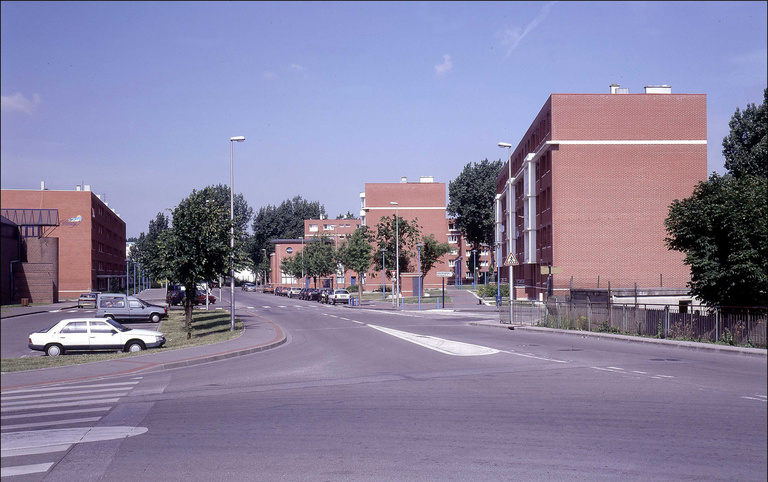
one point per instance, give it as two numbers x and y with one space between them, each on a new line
444 274
511 260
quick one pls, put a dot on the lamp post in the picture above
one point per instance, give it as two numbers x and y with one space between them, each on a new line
383 276
232 141
510 204
418 248
397 250
474 269
303 276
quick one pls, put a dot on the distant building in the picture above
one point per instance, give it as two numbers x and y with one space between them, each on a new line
74 232
587 188
424 201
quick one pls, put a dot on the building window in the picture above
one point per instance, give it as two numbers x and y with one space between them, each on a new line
313 228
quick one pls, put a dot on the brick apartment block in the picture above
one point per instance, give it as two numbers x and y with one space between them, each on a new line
91 238
591 184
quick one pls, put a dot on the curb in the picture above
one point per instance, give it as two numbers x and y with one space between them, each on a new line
691 345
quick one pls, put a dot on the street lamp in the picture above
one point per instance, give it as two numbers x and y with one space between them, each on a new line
397 250
418 248
509 224
383 276
232 141
474 269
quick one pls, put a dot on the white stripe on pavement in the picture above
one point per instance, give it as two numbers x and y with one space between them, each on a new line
448 347
25 469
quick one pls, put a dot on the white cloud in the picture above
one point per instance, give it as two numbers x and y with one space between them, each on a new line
269 76
511 37
17 102
297 67
445 67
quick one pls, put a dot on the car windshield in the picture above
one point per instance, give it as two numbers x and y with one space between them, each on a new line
117 326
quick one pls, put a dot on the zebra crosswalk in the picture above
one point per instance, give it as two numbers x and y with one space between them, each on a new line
49 420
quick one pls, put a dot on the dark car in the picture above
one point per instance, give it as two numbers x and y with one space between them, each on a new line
313 294
174 297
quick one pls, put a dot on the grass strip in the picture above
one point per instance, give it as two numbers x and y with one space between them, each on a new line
207 327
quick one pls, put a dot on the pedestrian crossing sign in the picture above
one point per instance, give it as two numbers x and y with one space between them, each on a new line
511 260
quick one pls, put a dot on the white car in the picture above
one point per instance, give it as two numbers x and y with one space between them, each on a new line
87 334
339 296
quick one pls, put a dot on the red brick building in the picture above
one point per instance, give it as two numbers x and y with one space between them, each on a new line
587 189
91 237
424 201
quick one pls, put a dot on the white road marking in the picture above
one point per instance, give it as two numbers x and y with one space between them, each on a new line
448 347
25 469
63 404
48 424
45 441
57 412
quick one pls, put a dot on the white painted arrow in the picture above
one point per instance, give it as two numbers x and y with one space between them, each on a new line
449 347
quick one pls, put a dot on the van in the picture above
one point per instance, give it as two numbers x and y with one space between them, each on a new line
123 307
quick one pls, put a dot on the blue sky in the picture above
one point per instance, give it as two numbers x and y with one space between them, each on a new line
139 100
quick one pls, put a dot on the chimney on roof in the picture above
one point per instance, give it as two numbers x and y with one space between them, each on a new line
426 179
403 179
42 185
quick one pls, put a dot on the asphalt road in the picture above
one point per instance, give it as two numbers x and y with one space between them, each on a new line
366 395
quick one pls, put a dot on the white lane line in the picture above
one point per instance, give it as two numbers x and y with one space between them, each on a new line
47 424
25 469
56 440
66 387
760 398
448 347
75 392
531 355
56 405
60 399
56 412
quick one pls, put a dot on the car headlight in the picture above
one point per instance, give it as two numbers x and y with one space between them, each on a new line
158 339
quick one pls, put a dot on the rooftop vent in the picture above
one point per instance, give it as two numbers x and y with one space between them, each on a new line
616 89
403 179
658 89
427 179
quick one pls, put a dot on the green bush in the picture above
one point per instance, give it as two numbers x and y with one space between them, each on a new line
489 291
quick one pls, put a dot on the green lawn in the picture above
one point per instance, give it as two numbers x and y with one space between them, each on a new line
207 327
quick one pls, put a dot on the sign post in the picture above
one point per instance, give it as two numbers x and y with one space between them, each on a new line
443 275
511 261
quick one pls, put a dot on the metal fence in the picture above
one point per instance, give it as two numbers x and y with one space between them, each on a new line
735 326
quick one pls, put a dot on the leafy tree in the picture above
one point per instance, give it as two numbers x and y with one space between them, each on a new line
471 201
431 252
721 228
283 221
320 258
146 250
292 266
197 246
356 253
746 146
384 238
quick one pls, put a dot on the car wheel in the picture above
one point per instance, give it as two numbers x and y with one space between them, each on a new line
54 350
155 318
111 317
134 347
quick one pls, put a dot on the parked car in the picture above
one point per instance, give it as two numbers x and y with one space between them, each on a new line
280 291
294 292
87 300
249 287
174 297
122 307
312 294
268 289
200 298
339 296
93 334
